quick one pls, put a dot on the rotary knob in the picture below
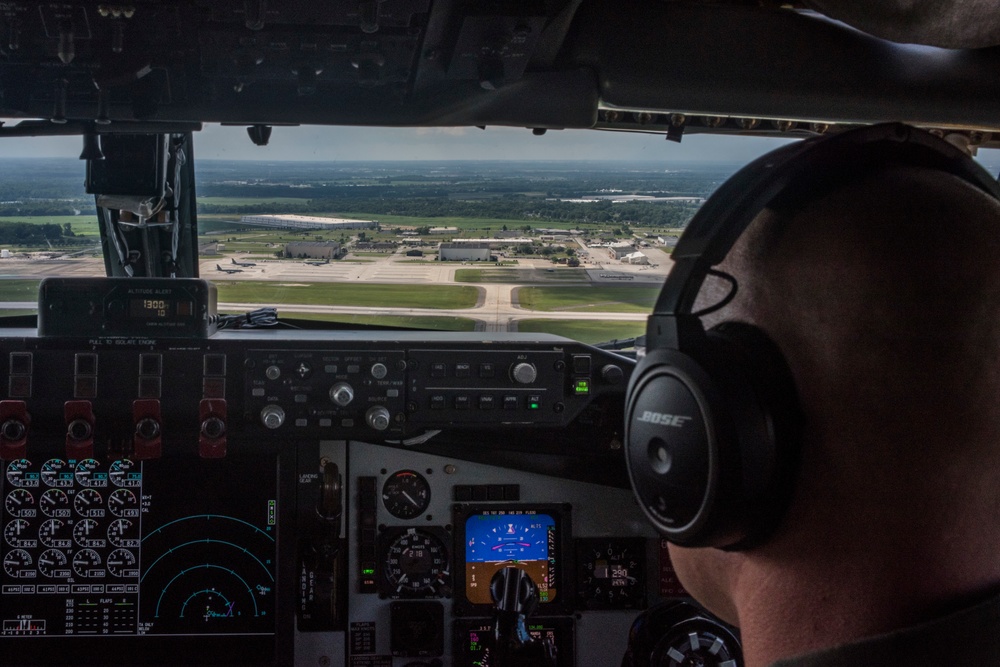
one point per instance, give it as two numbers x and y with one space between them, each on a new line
377 417
379 371
342 394
272 372
272 416
524 373
147 428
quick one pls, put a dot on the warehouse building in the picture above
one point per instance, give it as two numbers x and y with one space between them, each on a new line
464 252
313 249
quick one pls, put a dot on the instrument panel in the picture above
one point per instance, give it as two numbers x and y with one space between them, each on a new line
312 498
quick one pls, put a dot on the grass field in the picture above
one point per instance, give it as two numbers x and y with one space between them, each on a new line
19 290
585 331
418 322
502 275
373 295
584 299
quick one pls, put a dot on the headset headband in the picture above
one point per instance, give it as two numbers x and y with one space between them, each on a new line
791 173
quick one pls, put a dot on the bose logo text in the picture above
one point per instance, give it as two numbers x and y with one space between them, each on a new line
664 419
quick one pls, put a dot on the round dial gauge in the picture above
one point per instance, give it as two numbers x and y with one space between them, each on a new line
56 534
416 564
121 563
16 473
406 494
54 503
16 534
87 563
53 563
17 564
88 502
56 472
20 503
612 573
87 534
120 533
85 473
124 472
122 503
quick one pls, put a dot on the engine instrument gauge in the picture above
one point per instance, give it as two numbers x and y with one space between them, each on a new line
121 534
17 564
125 473
406 494
17 473
55 533
415 564
123 503
85 473
87 563
54 503
16 534
57 473
611 573
88 502
121 563
20 503
86 533
53 563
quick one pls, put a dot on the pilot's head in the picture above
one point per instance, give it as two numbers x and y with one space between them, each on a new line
884 298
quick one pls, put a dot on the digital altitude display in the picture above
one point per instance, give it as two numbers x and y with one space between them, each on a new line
152 308
495 539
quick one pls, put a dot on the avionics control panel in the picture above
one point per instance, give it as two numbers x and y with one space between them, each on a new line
272 498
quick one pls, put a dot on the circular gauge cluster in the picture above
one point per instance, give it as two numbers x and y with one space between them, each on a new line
611 572
406 494
415 564
71 519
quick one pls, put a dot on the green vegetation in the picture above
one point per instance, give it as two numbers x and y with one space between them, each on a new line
502 275
416 322
585 331
596 299
19 290
349 294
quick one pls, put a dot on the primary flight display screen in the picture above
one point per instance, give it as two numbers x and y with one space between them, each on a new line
527 539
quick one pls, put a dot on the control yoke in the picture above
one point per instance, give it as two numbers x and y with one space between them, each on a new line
515 597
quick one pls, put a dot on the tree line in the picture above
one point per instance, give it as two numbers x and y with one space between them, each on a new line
643 214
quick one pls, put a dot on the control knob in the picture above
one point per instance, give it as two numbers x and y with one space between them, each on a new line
272 416
379 371
524 373
272 372
147 428
342 394
378 417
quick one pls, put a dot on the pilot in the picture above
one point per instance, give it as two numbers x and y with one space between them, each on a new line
884 297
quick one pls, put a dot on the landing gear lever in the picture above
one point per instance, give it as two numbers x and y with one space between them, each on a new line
515 597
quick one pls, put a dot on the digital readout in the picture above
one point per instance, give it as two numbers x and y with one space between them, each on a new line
156 308
522 539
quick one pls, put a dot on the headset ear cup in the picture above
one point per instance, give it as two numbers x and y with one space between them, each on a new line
765 408
712 436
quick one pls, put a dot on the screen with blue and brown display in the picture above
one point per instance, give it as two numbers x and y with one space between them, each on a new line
495 539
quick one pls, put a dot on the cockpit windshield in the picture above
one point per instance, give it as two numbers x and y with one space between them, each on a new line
454 229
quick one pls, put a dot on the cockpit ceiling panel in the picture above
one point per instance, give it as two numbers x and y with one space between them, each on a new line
413 62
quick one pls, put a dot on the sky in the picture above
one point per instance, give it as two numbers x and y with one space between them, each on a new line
493 143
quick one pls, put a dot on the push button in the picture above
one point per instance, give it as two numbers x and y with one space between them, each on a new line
463 370
461 402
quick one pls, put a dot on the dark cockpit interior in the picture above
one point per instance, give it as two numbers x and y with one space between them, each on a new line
182 491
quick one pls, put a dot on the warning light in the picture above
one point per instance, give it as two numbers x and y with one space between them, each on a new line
582 387
368 570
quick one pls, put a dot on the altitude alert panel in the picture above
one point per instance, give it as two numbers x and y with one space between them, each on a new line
154 549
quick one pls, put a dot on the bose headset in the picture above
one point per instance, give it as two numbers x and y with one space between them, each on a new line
712 421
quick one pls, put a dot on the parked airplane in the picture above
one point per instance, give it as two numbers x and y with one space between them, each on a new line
233 260
325 261
219 268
